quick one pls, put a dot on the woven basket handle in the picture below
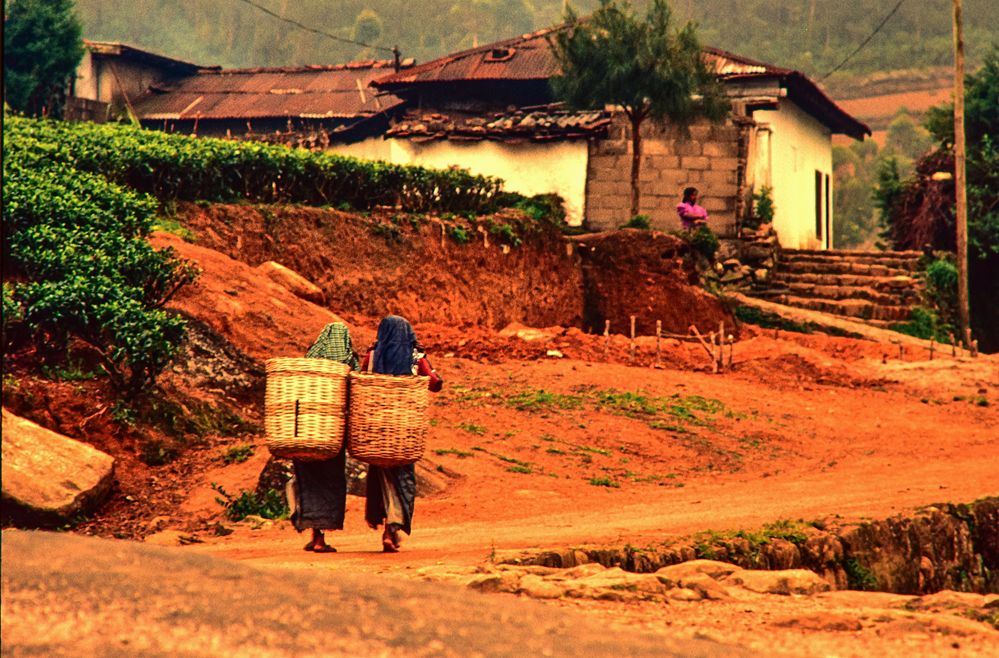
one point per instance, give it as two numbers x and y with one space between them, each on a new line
296 417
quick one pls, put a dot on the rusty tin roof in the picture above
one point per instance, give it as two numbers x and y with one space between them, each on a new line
309 92
529 58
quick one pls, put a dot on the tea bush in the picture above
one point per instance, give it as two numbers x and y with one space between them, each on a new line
77 244
187 168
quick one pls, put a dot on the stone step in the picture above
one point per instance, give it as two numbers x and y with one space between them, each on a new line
841 267
889 298
903 262
882 283
851 308
859 252
891 263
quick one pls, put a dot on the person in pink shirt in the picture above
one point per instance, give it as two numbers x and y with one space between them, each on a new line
691 215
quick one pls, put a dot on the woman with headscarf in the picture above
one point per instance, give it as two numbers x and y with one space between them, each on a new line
391 493
320 487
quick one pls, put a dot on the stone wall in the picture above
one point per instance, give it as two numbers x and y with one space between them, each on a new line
708 159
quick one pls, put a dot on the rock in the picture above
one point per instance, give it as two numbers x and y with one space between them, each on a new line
504 581
706 586
538 588
615 584
257 522
820 621
293 281
732 277
673 574
788 581
157 524
684 594
761 275
947 600
165 538
731 264
529 334
583 571
48 478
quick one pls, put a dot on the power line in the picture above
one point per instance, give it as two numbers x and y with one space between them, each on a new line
865 42
315 31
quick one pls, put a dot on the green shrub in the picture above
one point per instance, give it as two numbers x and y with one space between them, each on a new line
270 504
704 242
13 313
79 243
459 234
237 454
924 323
189 168
638 221
941 290
763 208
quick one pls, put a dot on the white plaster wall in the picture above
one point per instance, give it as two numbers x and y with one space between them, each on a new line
373 148
799 145
86 82
529 169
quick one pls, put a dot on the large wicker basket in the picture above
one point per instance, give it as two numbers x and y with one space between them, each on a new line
387 423
305 407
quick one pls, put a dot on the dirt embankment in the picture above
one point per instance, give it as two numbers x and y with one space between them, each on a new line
371 265
646 274
384 263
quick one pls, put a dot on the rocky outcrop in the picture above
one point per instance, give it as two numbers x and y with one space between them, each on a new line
49 479
293 281
945 546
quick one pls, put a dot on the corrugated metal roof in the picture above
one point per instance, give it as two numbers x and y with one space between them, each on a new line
339 91
529 57
116 49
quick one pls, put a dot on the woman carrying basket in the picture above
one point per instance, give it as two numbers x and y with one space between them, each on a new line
321 486
391 493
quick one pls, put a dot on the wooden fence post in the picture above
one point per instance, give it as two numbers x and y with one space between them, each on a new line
659 336
631 347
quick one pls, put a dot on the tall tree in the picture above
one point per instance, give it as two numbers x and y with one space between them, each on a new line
648 68
42 47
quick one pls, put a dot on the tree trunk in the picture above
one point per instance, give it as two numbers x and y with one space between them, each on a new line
636 161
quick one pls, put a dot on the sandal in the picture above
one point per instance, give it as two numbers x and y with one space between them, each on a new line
325 548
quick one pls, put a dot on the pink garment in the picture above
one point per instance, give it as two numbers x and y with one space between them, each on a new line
689 214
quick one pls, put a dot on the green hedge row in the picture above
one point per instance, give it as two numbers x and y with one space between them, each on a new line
78 265
180 167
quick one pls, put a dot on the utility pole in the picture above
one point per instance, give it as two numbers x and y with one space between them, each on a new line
960 186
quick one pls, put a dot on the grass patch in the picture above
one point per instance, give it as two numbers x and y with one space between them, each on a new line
237 454
535 400
171 225
604 482
461 454
520 469
472 428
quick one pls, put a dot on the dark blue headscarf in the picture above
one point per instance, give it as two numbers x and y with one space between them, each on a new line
394 347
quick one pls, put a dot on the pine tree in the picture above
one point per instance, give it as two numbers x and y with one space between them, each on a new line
42 47
647 68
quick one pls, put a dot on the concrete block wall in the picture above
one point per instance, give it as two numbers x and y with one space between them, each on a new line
707 158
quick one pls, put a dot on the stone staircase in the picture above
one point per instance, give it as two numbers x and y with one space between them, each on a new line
877 287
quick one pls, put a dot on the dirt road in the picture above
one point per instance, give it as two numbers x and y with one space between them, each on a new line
70 596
